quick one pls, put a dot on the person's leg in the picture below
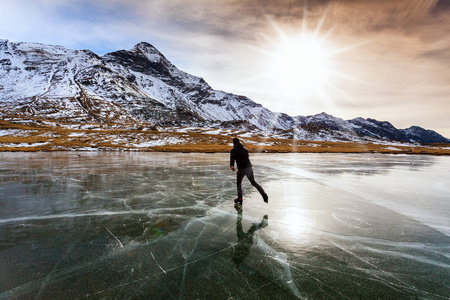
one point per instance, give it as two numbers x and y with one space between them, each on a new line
239 176
251 178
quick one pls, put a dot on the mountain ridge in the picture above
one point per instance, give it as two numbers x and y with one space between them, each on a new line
142 85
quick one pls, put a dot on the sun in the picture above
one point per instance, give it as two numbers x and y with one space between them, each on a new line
301 69
301 64
304 69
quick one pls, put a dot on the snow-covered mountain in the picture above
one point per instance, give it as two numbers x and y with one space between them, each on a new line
325 127
141 85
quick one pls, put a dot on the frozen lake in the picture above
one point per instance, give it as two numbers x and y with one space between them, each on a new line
164 226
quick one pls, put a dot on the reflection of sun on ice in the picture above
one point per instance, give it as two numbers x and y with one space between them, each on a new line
294 217
298 224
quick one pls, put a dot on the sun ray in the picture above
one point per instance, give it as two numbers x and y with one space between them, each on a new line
304 20
327 34
320 24
349 48
348 77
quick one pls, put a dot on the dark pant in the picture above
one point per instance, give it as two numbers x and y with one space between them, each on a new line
249 173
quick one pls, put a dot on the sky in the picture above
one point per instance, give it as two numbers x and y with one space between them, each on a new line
384 59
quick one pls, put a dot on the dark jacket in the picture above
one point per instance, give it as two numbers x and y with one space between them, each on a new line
240 155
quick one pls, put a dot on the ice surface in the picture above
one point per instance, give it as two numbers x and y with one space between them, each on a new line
163 226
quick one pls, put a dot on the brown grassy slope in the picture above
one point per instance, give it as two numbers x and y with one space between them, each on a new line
49 138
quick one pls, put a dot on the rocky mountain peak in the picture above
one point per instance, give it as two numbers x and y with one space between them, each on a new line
322 115
416 133
150 52
4 44
146 47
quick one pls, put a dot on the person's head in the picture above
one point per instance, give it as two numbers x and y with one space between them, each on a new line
236 142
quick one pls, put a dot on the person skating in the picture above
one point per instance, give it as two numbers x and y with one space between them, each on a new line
240 155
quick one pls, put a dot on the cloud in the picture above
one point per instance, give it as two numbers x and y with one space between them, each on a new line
115 22
398 50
